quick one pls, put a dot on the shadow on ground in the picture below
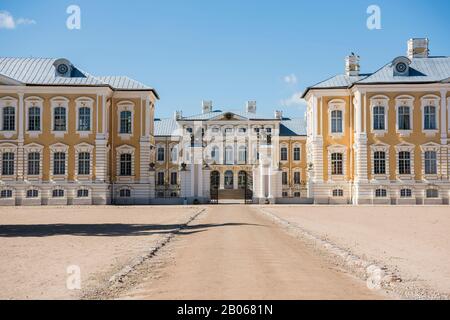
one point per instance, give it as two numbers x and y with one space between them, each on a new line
104 230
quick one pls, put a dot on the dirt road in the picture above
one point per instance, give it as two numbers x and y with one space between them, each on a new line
233 252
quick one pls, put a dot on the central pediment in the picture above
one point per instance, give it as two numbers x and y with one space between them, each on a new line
228 116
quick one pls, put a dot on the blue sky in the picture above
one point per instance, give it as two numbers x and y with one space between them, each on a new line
226 51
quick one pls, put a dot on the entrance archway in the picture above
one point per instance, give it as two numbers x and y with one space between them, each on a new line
242 179
228 180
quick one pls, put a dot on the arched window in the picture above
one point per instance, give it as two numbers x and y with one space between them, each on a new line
9 119
228 179
59 119
336 121
34 119
84 119
242 179
125 122
32 193
6 193
429 118
125 193
58 193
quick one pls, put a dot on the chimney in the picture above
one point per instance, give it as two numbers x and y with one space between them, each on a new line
418 48
352 65
207 106
279 114
250 107
178 115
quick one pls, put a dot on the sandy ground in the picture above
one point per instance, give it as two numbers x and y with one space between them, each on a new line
37 244
413 239
237 253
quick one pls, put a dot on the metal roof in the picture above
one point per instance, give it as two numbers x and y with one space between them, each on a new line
293 127
41 71
165 127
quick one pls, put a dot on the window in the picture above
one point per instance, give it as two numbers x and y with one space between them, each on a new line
378 118
82 193
33 193
58 193
173 178
34 119
84 119
84 163
256 130
4 194
284 194
174 154
430 162
268 130
432 193
242 130
380 193
160 155
297 194
338 193
284 177
59 120
228 130
9 119
160 179
125 193
8 164
429 118
34 159
404 162
215 154
336 121
59 163
242 154
125 122
125 164
405 193
215 130
379 162
297 177
296 153
229 155
189 130
404 118
337 167
284 154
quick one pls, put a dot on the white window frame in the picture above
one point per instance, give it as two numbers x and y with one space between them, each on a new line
430 100
409 148
336 105
30 189
7 147
406 187
84 148
284 145
404 101
163 147
8 102
337 149
84 102
83 188
58 188
242 148
379 101
377 148
122 150
59 102
387 196
431 146
29 103
296 145
125 106
335 188
55 148
33 148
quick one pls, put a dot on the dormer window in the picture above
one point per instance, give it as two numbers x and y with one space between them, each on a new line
63 68
401 66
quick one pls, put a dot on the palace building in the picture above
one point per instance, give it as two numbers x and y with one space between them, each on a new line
68 137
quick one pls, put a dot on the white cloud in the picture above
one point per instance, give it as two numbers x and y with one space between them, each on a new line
7 21
294 101
290 79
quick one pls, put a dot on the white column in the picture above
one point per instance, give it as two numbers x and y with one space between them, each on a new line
147 117
444 128
21 133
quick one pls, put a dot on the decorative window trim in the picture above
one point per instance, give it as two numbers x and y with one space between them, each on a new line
13 192
337 149
161 146
409 148
7 147
381 187
404 101
413 196
59 102
30 189
125 149
124 188
55 148
294 171
337 187
58 188
83 188
239 149
379 101
431 146
430 100
284 145
432 187
174 151
296 145
125 106
33 148
8 102
239 128
383 148
85 148
333 105
29 103
81 103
